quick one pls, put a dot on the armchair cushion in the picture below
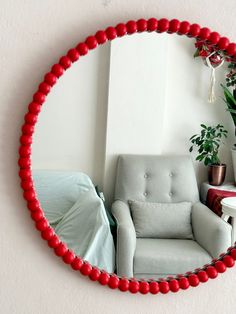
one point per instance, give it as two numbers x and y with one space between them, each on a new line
163 257
162 220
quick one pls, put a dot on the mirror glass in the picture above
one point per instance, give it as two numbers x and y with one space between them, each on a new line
143 94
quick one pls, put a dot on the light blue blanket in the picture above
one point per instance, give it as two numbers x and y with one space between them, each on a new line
77 214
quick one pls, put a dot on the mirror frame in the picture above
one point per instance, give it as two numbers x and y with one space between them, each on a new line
174 284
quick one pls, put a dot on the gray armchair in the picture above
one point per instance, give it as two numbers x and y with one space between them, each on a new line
163 179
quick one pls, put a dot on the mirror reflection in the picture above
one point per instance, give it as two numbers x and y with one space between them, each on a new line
111 162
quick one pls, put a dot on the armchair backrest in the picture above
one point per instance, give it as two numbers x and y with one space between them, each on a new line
160 178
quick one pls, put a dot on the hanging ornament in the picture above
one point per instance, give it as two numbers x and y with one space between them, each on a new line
211 58
213 61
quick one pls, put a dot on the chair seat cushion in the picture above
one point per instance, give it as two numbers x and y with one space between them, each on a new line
162 220
167 257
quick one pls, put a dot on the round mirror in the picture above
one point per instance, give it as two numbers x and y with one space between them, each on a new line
110 161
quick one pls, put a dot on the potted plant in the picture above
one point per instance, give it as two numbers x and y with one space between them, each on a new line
208 143
230 100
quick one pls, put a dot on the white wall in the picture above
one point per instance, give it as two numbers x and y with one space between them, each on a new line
71 130
34 34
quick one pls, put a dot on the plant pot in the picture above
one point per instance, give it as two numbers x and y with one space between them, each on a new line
234 163
216 174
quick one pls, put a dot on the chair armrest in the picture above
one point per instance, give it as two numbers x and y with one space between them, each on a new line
126 238
210 231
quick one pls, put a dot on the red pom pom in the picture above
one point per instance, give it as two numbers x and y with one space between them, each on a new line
220 266
143 287
95 273
54 241
142 25
34 108
121 29
27 184
164 287
42 224
223 43
214 38
124 284
39 97
101 37
83 48
174 285
31 118
29 195
86 269
131 27
104 278
24 162
184 283
37 215
57 69
91 42
73 54
228 261
65 62
194 30
26 139
193 280
48 233
68 257
163 26
184 28
25 151
111 33
202 276
154 287
61 249
231 49
174 26
233 254
204 33
25 174
28 129
33 205
50 79
134 286
44 88
77 263
211 272
113 282
152 24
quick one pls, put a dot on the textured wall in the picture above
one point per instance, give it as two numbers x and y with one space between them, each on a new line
33 35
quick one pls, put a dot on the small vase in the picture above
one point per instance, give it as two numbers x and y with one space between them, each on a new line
216 174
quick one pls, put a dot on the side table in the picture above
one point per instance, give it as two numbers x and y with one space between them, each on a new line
229 210
212 195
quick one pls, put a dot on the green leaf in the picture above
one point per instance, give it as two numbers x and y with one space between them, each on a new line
231 110
228 96
192 137
196 53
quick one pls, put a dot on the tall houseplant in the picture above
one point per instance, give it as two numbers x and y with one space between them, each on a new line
208 143
230 100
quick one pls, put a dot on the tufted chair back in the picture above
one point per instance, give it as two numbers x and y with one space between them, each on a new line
160 178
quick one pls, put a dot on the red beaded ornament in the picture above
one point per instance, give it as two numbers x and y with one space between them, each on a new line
50 79
94 274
